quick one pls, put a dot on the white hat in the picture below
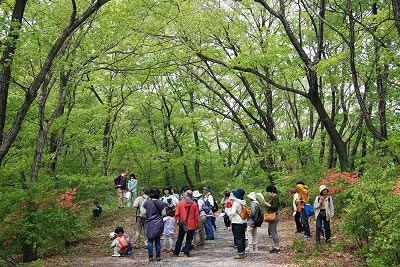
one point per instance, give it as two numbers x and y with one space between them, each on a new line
323 187
252 196
112 235
196 193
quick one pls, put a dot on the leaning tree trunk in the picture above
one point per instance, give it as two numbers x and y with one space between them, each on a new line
7 60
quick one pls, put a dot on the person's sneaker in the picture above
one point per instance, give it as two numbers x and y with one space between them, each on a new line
240 257
173 255
249 248
151 259
275 250
209 238
305 236
116 255
187 255
199 244
158 259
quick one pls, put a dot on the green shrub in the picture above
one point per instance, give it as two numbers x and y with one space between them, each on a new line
45 219
370 217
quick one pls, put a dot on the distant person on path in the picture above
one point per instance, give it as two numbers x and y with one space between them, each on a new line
120 185
324 211
202 218
296 213
273 206
169 226
132 189
303 199
154 225
238 224
140 217
188 212
208 199
251 226
97 210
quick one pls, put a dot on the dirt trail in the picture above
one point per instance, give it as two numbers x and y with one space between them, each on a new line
218 252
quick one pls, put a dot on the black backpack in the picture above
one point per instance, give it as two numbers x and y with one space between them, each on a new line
215 207
258 216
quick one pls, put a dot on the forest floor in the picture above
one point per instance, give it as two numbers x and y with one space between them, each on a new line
219 252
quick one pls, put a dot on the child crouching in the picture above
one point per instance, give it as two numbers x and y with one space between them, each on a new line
121 243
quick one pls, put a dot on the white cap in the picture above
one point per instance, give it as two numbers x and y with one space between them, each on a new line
196 193
323 187
112 235
252 196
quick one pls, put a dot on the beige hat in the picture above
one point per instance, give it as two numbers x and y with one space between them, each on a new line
252 196
196 193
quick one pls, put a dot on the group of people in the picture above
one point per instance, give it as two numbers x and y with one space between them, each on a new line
125 188
323 211
192 214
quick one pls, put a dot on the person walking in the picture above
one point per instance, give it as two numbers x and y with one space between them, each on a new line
187 217
140 217
238 224
301 200
273 206
154 225
323 211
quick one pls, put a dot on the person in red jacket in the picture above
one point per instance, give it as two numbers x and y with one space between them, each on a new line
186 211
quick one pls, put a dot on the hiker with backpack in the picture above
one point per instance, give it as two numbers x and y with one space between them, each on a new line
324 211
120 185
254 221
239 223
209 203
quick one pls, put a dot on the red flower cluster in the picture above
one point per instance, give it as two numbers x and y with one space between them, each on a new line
66 200
397 187
339 181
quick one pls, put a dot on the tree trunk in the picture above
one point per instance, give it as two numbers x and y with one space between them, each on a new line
7 60
396 13
329 125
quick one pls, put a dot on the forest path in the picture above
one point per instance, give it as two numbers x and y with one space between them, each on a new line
217 252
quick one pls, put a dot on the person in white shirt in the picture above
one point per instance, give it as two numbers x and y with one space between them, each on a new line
296 214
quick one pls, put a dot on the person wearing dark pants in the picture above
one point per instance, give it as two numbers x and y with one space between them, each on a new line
239 224
296 213
324 211
301 200
187 216
209 201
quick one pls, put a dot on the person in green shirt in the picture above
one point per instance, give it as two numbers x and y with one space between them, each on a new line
272 206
